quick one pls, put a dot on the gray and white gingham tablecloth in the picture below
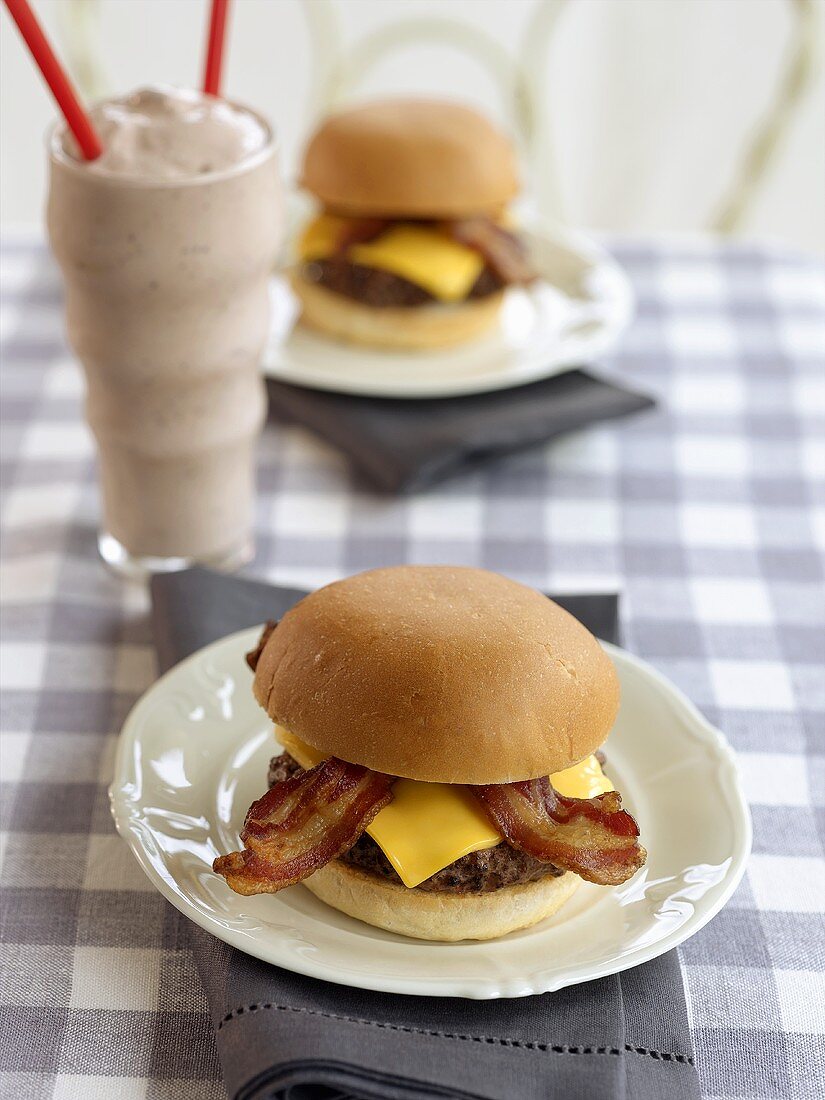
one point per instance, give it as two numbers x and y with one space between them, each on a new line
707 515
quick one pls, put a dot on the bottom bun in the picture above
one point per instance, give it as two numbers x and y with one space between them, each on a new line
416 328
428 915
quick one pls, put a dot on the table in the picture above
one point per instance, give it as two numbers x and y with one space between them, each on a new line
706 514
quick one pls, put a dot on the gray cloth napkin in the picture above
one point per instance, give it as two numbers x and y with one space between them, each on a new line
402 446
286 1037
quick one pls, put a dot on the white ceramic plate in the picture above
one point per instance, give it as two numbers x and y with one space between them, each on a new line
193 755
570 317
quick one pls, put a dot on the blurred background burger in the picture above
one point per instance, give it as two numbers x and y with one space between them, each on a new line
412 247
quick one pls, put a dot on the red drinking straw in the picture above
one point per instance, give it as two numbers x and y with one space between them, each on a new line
214 48
55 76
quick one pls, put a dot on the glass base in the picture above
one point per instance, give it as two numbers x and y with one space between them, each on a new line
120 561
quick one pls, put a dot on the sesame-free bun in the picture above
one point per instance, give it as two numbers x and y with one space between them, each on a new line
418 328
413 158
439 673
430 915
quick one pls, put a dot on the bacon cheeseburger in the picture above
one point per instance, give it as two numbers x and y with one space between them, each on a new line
440 778
410 249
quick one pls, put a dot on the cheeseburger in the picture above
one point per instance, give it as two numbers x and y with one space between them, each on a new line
411 248
441 774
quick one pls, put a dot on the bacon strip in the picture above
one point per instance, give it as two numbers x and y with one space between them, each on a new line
502 250
360 231
254 655
594 837
301 824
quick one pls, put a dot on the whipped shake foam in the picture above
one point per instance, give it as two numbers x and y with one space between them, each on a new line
162 133
166 243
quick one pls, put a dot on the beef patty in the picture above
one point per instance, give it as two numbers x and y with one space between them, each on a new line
381 288
476 873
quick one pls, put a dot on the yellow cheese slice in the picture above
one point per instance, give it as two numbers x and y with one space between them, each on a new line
320 237
420 253
584 780
425 257
428 826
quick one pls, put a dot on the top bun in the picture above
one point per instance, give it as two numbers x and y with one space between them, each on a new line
420 158
439 673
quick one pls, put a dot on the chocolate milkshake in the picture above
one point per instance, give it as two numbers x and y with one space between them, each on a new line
166 243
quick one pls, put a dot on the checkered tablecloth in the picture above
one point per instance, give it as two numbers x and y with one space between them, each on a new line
707 515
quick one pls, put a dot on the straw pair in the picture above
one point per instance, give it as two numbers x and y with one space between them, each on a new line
76 115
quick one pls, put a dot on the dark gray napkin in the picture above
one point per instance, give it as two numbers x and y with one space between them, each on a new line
401 446
286 1037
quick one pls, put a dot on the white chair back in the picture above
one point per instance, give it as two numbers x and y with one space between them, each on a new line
520 75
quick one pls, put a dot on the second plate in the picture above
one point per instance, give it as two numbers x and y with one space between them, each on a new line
572 315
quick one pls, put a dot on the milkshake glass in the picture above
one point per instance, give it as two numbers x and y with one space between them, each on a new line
166 245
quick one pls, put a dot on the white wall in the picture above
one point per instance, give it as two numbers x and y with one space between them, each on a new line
650 99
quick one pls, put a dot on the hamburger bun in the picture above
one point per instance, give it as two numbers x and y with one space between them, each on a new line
421 328
439 673
427 915
411 158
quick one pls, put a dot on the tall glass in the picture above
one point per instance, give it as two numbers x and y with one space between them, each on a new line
167 309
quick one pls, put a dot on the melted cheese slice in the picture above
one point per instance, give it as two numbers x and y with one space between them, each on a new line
320 237
419 253
425 257
428 826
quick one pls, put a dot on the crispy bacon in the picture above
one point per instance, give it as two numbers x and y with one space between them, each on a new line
254 655
360 231
502 250
594 837
301 824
